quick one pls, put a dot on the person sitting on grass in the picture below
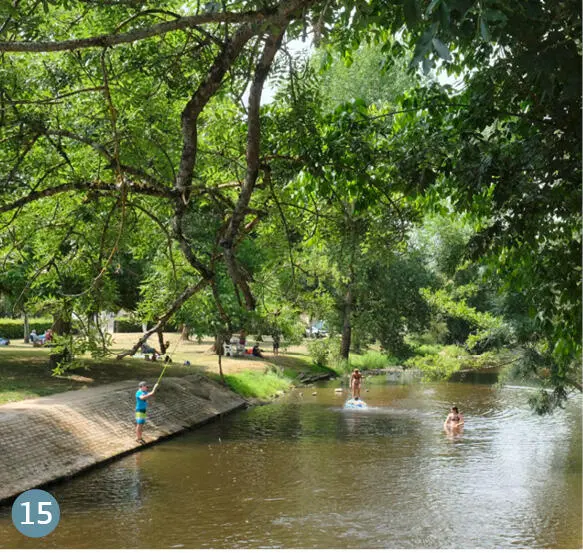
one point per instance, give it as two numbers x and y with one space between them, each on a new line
142 396
147 350
37 339
256 352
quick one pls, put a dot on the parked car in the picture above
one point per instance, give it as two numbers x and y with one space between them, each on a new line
315 332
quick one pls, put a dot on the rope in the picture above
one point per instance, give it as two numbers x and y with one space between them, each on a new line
166 363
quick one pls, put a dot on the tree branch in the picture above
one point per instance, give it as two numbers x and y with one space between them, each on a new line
196 104
82 186
271 47
180 301
106 41
56 99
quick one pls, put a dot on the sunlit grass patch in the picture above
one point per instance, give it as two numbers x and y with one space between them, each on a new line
256 384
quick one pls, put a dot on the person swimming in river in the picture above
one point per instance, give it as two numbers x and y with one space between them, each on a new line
454 420
355 379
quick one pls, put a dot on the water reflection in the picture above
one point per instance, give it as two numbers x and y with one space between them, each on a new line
307 473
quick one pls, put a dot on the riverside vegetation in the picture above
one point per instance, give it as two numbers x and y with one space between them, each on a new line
413 180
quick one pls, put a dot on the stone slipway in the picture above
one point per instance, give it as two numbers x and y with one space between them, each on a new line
50 438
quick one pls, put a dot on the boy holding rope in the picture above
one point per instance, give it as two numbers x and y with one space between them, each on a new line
142 396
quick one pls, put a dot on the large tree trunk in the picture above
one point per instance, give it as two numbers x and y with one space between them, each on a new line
61 326
348 297
184 333
161 342
26 329
218 345
221 368
346 325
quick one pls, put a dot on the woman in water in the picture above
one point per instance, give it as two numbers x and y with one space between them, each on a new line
454 420
355 379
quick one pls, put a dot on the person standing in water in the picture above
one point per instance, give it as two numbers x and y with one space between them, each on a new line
355 379
142 396
454 420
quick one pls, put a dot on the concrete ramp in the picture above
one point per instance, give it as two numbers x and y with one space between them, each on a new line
50 438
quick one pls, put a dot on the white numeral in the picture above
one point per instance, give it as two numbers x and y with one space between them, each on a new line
47 514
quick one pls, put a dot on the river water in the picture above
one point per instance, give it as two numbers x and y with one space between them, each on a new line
306 473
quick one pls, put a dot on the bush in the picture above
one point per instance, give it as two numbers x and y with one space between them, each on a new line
373 360
14 328
125 324
319 350
438 366
449 360
428 349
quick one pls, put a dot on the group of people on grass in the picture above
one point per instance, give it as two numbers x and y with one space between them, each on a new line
41 339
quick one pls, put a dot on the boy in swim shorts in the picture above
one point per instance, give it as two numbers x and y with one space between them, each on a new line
142 396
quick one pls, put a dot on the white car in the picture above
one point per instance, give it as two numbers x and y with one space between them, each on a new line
316 332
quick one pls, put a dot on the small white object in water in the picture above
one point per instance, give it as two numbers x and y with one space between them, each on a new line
314 393
338 390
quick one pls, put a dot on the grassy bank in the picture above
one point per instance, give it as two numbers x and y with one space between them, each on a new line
24 371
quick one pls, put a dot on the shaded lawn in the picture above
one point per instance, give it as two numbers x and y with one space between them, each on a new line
25 373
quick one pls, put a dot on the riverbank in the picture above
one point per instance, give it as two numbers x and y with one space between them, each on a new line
48 439
25 374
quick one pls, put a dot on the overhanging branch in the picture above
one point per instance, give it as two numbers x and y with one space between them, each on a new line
108 40
178 303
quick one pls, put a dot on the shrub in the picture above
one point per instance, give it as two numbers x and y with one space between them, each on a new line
319 350
14 328
438 366
449 360
428 349
373 360
125 324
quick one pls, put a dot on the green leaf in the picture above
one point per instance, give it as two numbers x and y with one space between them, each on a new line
444 16
426 66
495 15
441 49
432 6
411 12
484 31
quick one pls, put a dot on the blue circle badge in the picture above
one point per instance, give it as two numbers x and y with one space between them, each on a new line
35 513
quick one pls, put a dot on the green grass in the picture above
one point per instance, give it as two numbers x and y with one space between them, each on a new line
428 349
25 373
373 360
256 384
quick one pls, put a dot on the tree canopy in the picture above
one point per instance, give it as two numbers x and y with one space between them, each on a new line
139 168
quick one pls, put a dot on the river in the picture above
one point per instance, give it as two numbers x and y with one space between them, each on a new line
305 473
